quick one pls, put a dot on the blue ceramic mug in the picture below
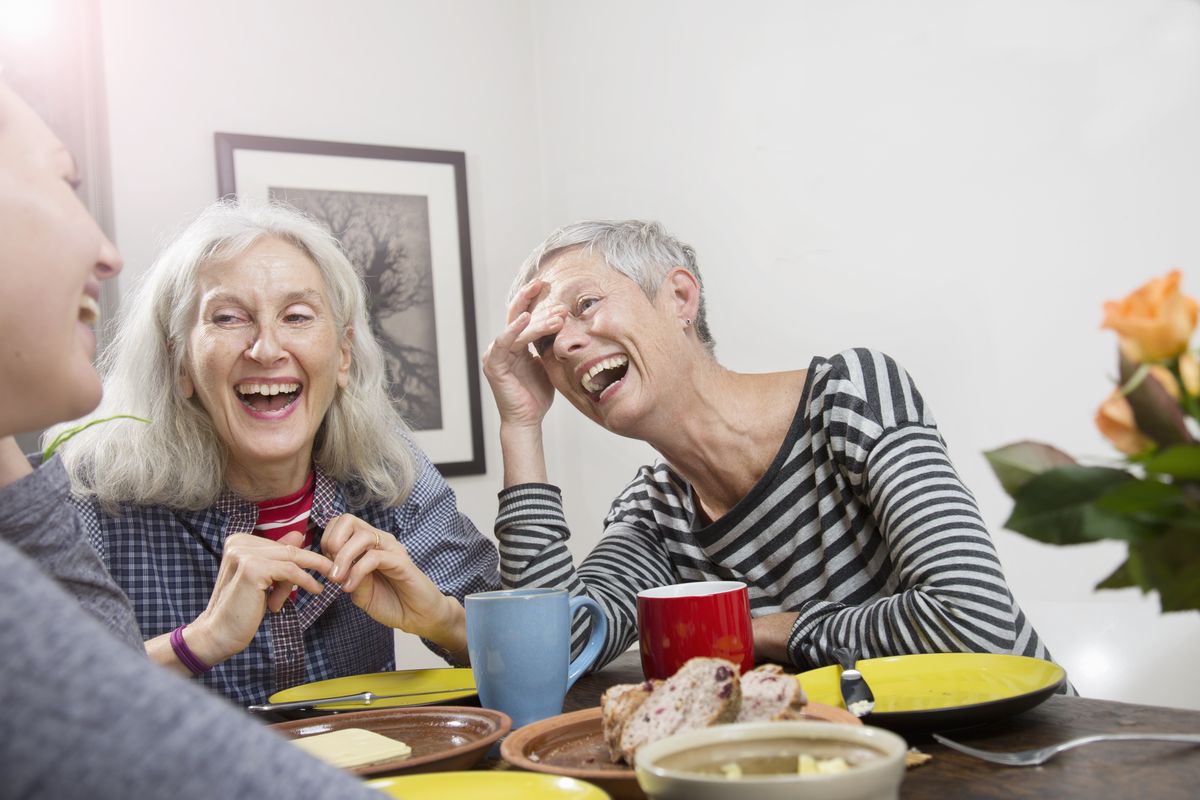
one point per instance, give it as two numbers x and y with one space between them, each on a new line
520 645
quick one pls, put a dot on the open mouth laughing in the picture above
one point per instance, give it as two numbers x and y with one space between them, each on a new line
89 310
604 375
89 304
267 397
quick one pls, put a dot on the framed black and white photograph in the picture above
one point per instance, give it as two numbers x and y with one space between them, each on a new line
401 215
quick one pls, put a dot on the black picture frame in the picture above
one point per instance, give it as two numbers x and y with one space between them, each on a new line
401 214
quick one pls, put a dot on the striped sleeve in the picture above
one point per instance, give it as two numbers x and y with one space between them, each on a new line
950 594
533 533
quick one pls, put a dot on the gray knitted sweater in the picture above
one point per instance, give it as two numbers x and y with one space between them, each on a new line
85 714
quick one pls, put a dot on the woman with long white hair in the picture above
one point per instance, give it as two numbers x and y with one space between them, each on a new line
274 473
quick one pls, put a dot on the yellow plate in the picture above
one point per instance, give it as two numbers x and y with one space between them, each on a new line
383 683
943 690
489 784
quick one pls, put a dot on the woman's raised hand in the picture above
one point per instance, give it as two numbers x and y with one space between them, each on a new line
256 574
376 571
522 391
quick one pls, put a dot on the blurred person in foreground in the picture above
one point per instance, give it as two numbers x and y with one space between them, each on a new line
86 714
274 457
828 489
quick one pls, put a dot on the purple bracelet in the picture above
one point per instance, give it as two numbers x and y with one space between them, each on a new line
185 654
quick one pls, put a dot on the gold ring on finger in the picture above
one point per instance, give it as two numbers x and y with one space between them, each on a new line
378 540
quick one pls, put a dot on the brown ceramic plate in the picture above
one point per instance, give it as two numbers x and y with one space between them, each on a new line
441 737
573 745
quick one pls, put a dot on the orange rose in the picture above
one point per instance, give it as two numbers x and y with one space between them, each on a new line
1114 418
1155 322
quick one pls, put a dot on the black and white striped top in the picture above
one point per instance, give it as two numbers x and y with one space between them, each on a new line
861 524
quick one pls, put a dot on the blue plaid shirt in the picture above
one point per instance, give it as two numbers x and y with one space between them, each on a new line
166 560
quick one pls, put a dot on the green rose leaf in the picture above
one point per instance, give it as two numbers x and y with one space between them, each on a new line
1181 461
1148 500
1015 464
1166 563
1119 579
1059 507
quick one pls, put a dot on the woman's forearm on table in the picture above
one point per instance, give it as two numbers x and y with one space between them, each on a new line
771 632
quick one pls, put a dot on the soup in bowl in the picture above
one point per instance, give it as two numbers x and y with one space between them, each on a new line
769 760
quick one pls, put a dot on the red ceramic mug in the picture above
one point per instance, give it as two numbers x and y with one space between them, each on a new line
706 618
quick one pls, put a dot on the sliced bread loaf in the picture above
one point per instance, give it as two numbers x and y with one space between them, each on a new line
618 704
769 693
705 691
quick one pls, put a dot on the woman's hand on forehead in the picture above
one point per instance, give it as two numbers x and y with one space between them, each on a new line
528 298
519 383
541 292
543 318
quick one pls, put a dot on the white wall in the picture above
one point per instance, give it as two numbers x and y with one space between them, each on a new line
959 183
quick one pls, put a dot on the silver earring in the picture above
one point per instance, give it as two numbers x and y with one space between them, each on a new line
687 323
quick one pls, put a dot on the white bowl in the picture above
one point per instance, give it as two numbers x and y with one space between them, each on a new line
878 779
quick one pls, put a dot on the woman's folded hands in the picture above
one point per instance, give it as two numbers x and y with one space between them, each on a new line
256 574
381 579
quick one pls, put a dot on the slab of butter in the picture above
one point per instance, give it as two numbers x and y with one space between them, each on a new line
352 747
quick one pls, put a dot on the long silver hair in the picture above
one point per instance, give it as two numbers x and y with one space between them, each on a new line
178 460
641 250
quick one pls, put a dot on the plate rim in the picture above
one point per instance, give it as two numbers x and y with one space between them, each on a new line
1026 700
477 774
448 695
524 734
501 723
521 736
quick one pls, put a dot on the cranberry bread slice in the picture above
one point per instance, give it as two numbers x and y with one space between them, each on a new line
705 691
618 704
769 693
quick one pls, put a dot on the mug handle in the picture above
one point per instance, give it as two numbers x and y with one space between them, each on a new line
595 641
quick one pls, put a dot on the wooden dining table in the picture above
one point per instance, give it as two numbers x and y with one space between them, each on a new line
1145 770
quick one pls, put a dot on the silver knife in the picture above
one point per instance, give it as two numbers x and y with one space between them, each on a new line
856 694
365 698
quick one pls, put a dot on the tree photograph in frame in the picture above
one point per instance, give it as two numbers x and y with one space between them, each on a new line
401 216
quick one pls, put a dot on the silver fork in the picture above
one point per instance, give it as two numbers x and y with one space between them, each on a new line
1031 758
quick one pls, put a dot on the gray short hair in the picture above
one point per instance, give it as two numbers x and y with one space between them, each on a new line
638 249
178 460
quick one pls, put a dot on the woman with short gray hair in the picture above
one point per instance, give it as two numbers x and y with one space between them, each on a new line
642 251
827 490
274 472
